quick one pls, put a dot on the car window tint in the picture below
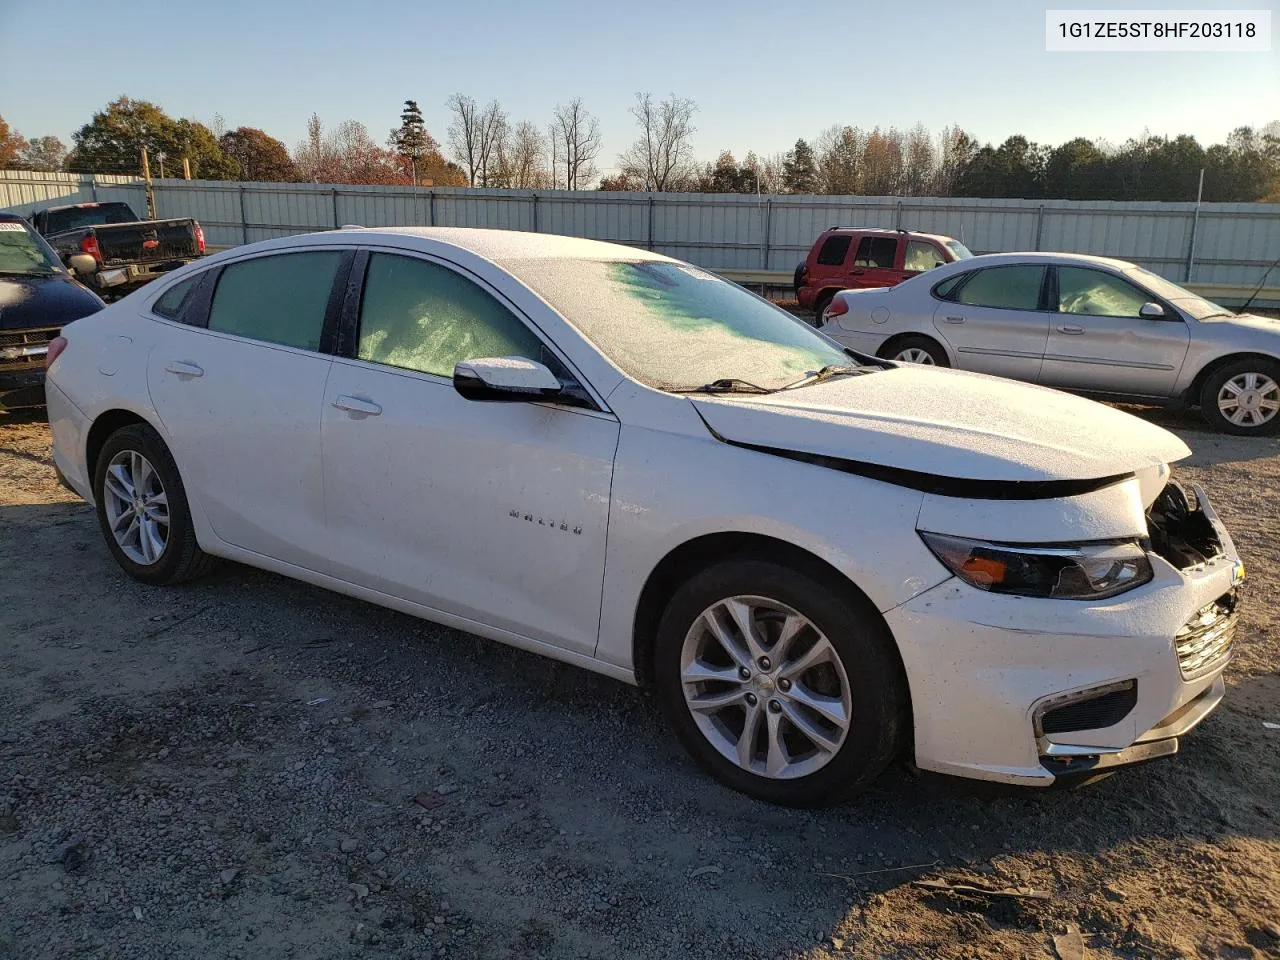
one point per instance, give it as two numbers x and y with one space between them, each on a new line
834 250
1011 288
1098 294
170 303
947 288
422 316
876 252
921 256
278 299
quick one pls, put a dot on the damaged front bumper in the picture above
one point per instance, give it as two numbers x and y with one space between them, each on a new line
1032 691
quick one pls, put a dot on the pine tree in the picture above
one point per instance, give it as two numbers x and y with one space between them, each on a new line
800 169
411 139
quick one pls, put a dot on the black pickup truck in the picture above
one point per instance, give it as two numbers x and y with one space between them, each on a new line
127 251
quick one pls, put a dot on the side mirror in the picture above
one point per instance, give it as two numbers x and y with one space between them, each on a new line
510 379
939 263
82 264
1151 311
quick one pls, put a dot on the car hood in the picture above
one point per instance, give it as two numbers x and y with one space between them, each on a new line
946 424
27 302
1247 321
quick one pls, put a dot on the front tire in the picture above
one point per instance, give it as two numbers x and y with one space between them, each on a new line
781 685
142 509
1243 398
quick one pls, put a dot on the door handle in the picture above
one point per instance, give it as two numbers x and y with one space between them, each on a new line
954 319
184 368
856 273
1073 330
357 406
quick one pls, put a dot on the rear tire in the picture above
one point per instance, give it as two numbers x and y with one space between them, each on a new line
819 732
915 348
142 509
820 306
1243 397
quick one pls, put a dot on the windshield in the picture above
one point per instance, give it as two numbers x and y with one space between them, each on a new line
676 327
23 251
959 250
93 215
1194 304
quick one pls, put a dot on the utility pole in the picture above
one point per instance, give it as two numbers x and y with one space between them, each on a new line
146 177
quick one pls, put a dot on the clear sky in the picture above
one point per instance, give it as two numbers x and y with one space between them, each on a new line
762 73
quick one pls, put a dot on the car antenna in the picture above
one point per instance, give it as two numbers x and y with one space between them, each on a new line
1258 288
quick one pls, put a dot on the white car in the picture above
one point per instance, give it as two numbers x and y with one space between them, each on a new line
1099 326
624 462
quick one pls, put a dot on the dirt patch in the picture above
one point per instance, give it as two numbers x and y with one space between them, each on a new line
229 770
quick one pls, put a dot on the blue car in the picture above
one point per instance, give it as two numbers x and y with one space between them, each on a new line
38 296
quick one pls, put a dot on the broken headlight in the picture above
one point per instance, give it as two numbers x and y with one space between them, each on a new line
1086 571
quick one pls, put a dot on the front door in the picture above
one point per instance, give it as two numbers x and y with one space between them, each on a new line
240 403
496 512
1099 341
993 321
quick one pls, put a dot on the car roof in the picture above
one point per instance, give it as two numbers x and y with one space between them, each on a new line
888 231
993 259
497 246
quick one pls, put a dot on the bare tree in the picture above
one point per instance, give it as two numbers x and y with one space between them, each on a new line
663 153
575 135
920 163
522 156
464 134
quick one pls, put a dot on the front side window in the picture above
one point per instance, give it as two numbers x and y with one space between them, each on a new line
1008 288
277 299
876 252
834 250
1098 294
422 316
676 327
921 256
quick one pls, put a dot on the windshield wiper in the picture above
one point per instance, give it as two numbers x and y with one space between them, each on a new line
728 385
827 372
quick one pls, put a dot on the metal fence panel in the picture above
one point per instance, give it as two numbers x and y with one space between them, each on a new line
1233 242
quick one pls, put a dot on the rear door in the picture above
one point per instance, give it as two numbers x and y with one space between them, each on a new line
1099 341
875 262
238 387
993 320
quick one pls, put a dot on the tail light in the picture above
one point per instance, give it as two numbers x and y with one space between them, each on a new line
837 308
89 245
56 346
200 238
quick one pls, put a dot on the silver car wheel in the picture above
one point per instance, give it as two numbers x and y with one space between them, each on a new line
1249 399
765 687
915 355
137 507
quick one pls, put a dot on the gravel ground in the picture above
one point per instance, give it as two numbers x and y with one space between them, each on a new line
229 769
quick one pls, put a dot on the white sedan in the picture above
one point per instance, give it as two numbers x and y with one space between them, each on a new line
1099 326
621 461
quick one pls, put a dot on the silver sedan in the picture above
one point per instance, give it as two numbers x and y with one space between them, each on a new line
1088 324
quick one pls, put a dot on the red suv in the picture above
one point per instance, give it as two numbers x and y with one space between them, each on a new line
844 258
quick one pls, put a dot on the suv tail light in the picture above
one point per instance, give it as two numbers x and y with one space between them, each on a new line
837 308
56 346
89 245
200 238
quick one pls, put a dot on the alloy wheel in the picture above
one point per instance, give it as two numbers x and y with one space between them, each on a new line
1249 399
915 355
137 507
765 687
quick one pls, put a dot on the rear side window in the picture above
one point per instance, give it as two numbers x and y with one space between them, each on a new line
876 252
834 250
277 299
175 298
947 288
422 316
1009 288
